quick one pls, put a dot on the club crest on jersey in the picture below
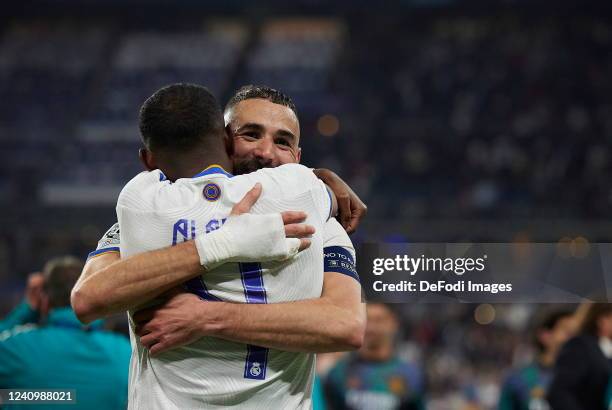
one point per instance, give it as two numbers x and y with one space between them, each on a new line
211 192
255 369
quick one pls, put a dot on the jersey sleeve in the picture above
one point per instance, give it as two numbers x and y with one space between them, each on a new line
151 192
338 251
146 204
293 180
109 242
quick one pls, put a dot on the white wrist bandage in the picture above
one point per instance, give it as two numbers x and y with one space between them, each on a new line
246 238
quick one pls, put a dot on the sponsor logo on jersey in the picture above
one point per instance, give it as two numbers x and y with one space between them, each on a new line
110 238
212 192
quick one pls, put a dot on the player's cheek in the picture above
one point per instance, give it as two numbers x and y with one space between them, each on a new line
286 156
243 148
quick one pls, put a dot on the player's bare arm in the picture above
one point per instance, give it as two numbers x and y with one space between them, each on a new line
89 295
127 284
351 209
333 322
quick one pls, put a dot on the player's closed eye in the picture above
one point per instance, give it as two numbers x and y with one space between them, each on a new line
251 135
283 143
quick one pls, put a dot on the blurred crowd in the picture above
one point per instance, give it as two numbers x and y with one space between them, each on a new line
430 115
454 115
499 115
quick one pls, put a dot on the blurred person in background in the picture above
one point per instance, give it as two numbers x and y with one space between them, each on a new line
374 377
325 361
582 371
62 353
525 388
27 311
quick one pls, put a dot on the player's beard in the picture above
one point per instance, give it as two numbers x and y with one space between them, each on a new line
250 165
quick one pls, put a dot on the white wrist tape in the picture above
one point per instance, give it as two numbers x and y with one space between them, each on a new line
246 238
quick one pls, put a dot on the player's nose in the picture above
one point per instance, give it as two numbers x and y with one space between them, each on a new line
266 148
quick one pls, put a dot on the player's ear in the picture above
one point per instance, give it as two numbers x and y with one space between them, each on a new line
147 159
298 155
229 141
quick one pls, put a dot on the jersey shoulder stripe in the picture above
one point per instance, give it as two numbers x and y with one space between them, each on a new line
98 252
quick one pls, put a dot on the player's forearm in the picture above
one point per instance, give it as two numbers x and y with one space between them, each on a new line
333 322
131 282
313 325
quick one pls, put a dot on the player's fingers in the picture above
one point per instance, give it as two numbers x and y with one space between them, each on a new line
143 328
359 211
158 348
356 217
163 345
344 210
148 340
299 230
304 244
247 201
293 217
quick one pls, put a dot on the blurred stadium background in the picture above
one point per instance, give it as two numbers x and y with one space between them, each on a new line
453 120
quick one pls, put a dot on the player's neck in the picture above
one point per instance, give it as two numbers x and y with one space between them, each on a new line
191 164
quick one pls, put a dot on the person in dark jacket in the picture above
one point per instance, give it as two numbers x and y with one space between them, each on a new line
583 370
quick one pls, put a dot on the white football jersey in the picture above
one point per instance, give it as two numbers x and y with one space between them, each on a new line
154 213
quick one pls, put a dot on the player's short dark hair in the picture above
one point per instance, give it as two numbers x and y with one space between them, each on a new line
548 321
251 91
60 275
178 117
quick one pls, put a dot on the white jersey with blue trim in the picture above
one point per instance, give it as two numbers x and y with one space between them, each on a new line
154 213
333 235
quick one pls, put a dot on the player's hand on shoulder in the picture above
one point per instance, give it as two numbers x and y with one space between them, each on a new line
351 209
248 237
292 220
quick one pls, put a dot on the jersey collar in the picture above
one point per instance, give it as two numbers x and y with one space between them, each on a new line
213 169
